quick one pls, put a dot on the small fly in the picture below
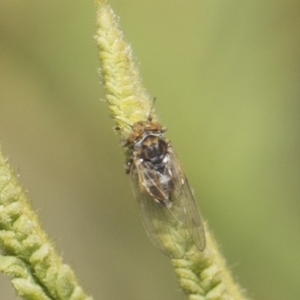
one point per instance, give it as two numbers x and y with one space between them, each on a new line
168 208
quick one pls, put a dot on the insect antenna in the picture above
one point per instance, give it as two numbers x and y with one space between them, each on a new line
150 116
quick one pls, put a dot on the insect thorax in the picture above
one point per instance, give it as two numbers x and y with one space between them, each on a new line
151 148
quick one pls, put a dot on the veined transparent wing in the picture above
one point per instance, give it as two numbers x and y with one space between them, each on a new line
165 224
182 191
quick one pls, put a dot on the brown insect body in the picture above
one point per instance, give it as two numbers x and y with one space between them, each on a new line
165 198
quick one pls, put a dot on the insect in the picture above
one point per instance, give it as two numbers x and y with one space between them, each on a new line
167 204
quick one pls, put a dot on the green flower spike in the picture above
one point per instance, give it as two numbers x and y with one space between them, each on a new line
127 99
202 275
28 257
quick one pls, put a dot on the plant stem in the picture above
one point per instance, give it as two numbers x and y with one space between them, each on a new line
36 270
202 275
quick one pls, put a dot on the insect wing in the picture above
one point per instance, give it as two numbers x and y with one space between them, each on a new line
164 224
194 222
183 192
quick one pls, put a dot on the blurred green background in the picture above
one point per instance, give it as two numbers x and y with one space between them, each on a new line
226 78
